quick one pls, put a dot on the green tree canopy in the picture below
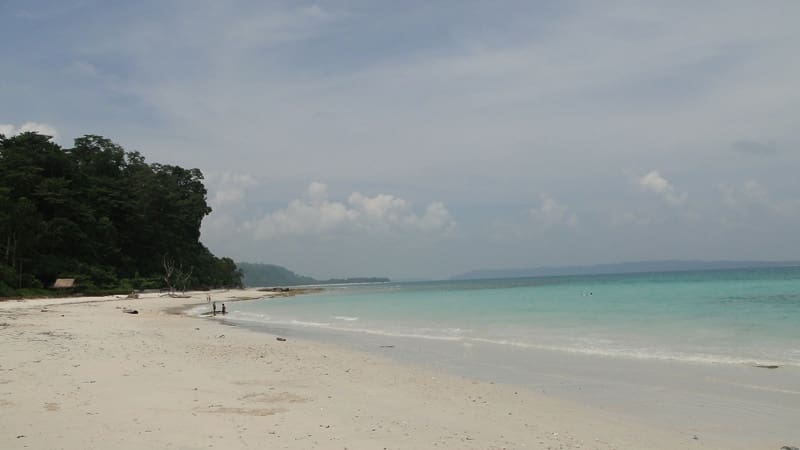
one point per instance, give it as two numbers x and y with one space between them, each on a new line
100 214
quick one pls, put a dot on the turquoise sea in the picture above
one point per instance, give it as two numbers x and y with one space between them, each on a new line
743 316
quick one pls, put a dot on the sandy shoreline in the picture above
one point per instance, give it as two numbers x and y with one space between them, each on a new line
80 373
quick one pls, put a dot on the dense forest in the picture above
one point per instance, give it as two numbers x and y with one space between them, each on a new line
101 215
265 275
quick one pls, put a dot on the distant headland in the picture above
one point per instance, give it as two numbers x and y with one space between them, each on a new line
258 275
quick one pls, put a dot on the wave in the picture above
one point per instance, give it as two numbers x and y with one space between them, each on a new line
592 347
263 319
346 318
645 354
309 324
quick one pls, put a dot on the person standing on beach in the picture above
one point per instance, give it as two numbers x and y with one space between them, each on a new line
214 309
223 309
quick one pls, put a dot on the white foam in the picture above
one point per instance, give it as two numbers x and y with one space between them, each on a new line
596 347
308 324
249 316
638 353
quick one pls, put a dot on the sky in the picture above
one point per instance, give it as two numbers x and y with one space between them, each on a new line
421 139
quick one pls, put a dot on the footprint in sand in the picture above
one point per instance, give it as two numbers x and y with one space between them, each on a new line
241 411
279 397
52 406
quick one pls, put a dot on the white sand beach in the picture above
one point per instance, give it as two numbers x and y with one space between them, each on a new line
80 373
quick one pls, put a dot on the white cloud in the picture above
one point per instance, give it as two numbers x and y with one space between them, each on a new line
227 193
551 213
752 198
655 183
749 194
383 213
10 130
228 188
317 192
436 217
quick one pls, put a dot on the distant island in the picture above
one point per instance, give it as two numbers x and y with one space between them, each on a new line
619 268
263 275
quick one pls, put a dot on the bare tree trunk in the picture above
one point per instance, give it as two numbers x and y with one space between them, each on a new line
169 270
185 278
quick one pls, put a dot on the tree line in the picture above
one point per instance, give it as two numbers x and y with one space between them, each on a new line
102 215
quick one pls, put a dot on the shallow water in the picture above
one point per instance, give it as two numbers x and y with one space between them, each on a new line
732 316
